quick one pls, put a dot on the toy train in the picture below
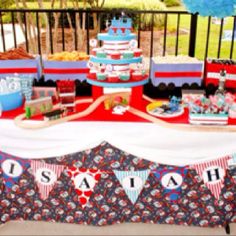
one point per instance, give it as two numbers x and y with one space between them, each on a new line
192 74
55 114
122 26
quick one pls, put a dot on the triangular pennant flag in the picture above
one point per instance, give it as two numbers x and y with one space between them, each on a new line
84 181
213 174
132 182
171 179
45 176
12 168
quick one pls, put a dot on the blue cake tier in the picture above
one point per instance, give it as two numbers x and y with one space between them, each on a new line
115 62
117 85
107 37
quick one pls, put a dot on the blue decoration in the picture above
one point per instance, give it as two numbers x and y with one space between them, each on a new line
107 37
115 62
170 178
132 182
216 8
117 85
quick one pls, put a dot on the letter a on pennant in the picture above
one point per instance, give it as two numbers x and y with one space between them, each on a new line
84 181
45 176
13 168
132 182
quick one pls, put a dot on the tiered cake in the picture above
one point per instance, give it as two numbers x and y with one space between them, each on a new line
118 63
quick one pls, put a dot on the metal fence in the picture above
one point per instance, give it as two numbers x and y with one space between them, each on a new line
164 29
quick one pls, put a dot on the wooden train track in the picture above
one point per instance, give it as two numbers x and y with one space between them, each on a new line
21 122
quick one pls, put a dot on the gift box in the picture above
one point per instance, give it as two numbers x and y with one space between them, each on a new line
176 73
56 70
26 66
208 119
213 70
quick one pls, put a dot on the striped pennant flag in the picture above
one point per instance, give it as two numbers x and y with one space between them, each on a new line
12 168
213 174
132 182
45 176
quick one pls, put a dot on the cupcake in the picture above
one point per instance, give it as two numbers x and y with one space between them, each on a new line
128 54
113 78
92 74
124 76
115 55
101 54
94 51
137 75
101 76
138 52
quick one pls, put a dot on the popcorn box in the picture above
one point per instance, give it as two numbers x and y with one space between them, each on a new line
26 66
177 73
212 75
56 70
208 119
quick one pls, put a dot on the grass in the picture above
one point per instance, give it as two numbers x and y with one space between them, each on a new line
201 37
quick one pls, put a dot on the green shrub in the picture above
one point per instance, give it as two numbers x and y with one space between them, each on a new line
4 4
172 3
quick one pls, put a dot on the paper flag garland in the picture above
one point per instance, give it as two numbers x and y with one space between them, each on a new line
45 176
213 174
84 181
132 182
12 168
217 8
171 179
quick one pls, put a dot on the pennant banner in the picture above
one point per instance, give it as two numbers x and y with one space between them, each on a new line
13 168
84 181
45 176
213 174
132 182
171 180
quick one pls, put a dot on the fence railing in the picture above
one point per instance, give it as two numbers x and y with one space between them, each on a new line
158 32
